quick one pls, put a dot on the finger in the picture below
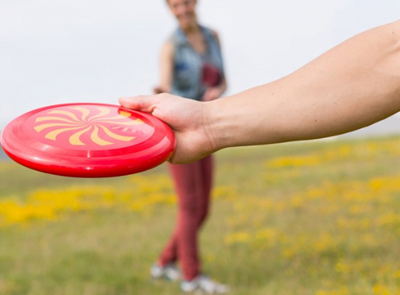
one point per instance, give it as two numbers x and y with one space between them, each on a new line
171 159
143 103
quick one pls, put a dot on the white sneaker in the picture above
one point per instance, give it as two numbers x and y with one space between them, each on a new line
204 284
169 271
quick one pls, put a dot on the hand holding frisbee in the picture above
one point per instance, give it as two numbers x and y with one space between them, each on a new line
88 140
194 123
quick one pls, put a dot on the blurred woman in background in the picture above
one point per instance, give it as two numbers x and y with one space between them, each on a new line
191 66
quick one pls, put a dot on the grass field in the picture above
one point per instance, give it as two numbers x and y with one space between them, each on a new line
318 218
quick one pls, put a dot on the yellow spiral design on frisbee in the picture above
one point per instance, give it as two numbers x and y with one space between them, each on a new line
86 121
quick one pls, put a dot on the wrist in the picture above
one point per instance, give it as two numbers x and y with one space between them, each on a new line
214 125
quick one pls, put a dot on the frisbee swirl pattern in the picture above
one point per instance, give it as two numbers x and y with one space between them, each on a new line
87 126
88 140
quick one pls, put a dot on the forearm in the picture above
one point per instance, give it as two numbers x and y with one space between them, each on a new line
166 69
351 86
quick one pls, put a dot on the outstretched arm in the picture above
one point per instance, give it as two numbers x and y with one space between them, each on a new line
353 85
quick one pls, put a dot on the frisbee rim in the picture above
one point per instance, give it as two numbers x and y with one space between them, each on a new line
134 158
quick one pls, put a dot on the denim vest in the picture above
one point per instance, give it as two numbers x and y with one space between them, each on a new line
187 72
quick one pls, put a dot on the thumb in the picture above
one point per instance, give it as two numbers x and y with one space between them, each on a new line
144 103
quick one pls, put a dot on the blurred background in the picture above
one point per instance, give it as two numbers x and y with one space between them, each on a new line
318 217
79 51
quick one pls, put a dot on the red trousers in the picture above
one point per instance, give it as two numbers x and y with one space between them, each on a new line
193 184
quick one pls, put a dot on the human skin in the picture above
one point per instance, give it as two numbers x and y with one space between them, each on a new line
353 85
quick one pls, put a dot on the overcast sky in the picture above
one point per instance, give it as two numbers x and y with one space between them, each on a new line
57 51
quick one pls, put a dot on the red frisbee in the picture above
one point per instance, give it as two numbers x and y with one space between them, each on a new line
88 140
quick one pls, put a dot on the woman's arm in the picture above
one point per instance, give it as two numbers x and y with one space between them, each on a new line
351 86
166 68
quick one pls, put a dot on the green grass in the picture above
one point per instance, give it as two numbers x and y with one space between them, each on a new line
302 218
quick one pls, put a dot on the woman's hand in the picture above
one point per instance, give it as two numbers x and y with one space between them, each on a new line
160 89
212 93
186 117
